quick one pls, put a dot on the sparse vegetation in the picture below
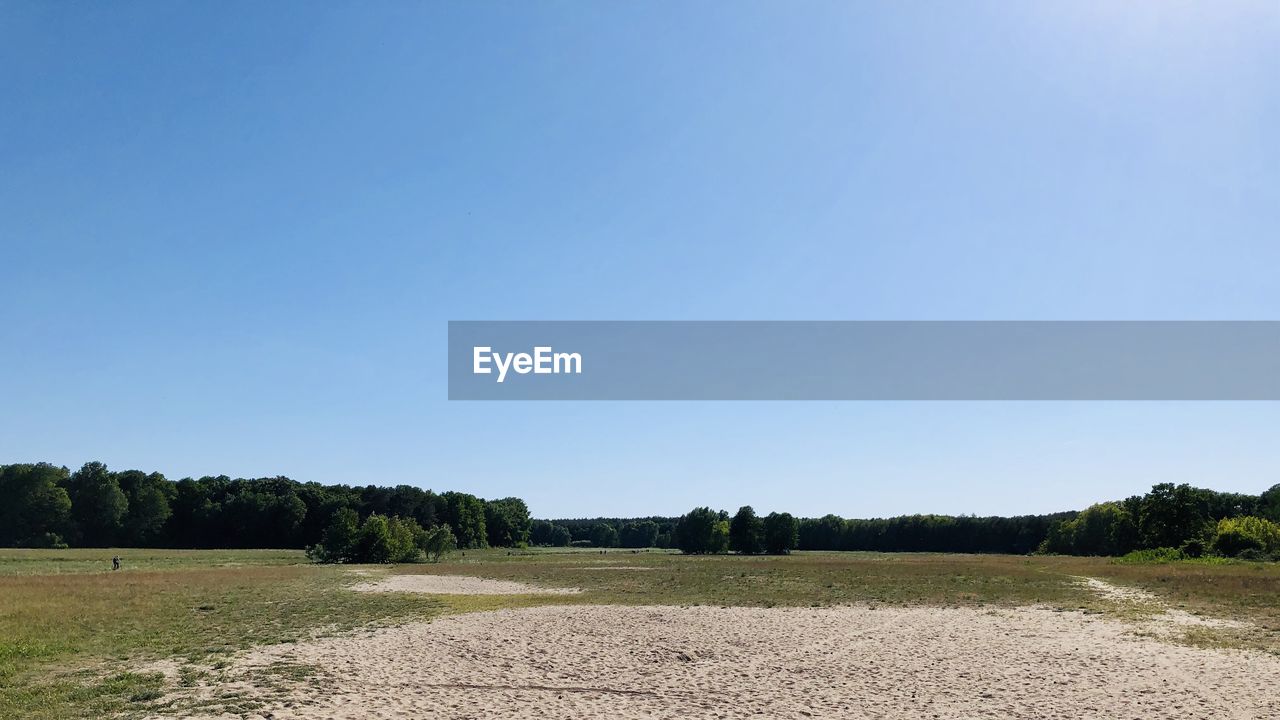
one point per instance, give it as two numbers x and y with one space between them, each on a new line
77 639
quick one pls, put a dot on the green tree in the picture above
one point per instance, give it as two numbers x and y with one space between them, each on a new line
1269 503
1235 536
720 536
604 535
404 539
465 515
1101 529
702 531
98 505
746 532
507 522
640 534
781 533
34 506
824 533
438 541
373 545
148 498
338 544
560 536
1171 515
261 512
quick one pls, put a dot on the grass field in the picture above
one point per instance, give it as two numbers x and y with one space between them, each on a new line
77 639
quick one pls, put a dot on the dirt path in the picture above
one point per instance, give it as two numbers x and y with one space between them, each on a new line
1153 614
456 585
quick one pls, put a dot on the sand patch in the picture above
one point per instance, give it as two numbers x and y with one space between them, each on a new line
705 662
1158 617
456 585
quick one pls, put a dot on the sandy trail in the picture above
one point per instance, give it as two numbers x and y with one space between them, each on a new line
456 585
847 662
1158 617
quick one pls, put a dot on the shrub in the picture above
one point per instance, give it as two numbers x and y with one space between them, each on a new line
438 541
1255 535
1255 555
1193 548
374 542
338 543
48 540
1153 556
404 536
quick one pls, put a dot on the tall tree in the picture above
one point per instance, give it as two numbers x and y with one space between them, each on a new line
746 532
34 506
1171 515
98 505
781 533
639 534
148 498
506 522
604 536
702 531
465 514
1269 503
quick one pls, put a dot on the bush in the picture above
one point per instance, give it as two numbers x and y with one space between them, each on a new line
338 543
48 540
404 537
374 543
1254 535
1193 548
1255 555
379 539
1152 557
438 541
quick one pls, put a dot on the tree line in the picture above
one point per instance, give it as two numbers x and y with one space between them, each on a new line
908 533
43 505
1188 520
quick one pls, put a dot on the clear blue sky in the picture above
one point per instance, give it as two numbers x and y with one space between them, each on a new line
231 235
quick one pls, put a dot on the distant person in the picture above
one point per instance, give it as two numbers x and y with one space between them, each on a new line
115 562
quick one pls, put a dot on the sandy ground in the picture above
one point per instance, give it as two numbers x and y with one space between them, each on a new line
1154 615
703 662
456 585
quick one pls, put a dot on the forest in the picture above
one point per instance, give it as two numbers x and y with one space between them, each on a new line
1179 520
44 505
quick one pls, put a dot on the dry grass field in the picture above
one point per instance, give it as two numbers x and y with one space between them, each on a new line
176 633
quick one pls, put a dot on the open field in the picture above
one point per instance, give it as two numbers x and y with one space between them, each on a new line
172 633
